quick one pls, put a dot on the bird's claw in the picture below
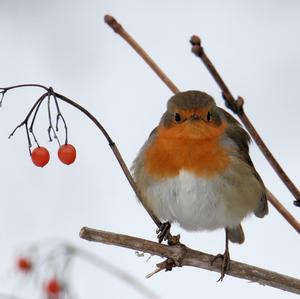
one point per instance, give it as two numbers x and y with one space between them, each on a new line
163 231
225 263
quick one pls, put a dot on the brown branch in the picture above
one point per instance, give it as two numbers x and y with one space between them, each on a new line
184 256
116 152
283 211
112 22
237 107
238 104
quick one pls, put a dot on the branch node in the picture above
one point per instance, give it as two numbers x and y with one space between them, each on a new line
236 106
239 104
113 23
297 203
166 265
196 45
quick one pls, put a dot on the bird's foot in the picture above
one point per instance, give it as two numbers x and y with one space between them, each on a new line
225 263
163 231
163 234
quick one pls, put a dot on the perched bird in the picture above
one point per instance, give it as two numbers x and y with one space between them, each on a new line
195 169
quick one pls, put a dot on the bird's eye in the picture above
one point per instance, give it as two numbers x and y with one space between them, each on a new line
177 117
208 117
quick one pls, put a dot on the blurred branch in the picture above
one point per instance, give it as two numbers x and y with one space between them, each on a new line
113 270
238 105
8 296
184 256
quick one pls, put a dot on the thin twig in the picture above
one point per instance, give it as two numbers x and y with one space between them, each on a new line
112 22
51 128
33 121
237 107
58 117
25 121
283 211
189 257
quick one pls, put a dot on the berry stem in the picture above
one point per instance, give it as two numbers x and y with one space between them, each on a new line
60 116
51 128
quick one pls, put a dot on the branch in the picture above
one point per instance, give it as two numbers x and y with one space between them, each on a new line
184 256
112 22
237 107
116 152
283 211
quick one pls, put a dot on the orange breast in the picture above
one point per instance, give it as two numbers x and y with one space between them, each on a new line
170 153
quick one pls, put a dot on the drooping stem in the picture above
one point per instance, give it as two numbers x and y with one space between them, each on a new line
113 146
116 152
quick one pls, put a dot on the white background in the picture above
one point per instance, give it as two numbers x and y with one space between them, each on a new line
65 44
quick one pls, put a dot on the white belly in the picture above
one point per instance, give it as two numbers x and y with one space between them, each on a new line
201 204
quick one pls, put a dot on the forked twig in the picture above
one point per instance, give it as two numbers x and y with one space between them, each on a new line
236 105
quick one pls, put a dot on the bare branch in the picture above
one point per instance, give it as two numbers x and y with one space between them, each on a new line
184 256
112 22
283 211
237 107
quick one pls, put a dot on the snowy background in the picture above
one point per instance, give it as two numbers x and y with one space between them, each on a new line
65 44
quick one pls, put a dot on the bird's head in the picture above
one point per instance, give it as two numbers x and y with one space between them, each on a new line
192 115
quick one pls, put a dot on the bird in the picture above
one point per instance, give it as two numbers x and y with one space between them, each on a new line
195 170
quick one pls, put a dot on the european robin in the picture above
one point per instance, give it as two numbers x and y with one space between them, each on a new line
195 170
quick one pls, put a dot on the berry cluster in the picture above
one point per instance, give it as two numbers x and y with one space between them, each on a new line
50 269
40 155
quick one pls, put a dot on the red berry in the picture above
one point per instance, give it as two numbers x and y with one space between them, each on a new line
67 154
53 287
40 156
24 264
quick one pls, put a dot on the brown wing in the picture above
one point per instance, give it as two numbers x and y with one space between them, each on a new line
242 139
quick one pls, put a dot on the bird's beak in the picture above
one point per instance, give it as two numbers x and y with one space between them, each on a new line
195 117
